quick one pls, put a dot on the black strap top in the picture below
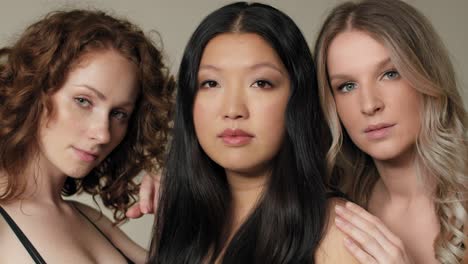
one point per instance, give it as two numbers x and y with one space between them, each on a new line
32 250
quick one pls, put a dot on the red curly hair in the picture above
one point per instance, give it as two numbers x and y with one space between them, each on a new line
37 65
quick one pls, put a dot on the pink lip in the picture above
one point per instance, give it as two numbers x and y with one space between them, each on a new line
378 131
85 155
235 137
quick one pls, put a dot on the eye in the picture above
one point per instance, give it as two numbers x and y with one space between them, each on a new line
83 102
347 87
391 75
119 115
209 84
262 84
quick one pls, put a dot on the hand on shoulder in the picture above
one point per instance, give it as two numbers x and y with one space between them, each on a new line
331 249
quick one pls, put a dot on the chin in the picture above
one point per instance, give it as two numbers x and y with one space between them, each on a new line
247 169
77 173
389 155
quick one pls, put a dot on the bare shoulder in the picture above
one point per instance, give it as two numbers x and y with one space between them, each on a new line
113 232
97 217
331 249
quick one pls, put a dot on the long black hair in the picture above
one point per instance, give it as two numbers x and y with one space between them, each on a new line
287 224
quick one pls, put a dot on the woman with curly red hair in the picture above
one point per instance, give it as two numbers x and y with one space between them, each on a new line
85 107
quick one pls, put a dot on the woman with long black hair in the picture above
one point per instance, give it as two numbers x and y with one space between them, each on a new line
244 173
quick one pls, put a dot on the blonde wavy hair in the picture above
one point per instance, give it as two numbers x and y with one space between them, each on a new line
420 56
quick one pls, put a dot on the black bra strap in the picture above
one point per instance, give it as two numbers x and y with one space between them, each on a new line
22 238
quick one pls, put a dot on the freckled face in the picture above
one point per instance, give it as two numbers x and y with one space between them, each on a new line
91 113
379 108
241 101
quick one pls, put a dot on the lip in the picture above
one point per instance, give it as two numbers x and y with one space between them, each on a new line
235 137
84 155
378 131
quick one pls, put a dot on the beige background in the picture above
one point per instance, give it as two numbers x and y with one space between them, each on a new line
175 20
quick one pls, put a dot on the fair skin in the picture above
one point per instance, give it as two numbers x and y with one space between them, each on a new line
244 86
238 113
381 113
89 120
234 93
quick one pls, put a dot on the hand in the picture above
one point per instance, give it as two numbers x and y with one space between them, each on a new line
368 239
149 192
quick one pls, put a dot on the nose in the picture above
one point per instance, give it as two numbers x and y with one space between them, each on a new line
371 101
235 103
99 132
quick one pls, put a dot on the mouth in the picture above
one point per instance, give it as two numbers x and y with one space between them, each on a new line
235 137
378 131
84 155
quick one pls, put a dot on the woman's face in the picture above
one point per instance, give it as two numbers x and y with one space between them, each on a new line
239 109
377 106
90 113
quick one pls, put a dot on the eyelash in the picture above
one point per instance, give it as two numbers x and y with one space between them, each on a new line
210 84
341 87
86 103
393 71
263 84
81 101
119 115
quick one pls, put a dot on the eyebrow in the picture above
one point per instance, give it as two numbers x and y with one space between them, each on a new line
379 66
253 67
102 96
98 93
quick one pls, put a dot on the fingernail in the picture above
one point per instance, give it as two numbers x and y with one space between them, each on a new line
144 210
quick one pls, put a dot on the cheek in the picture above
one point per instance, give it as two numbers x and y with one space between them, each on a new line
118 134
346 114
271 121
204 113
64 121
410 112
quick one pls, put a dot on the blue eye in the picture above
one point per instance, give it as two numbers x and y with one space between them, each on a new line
119 115
209 84
347 87
262 84
83 102
391 75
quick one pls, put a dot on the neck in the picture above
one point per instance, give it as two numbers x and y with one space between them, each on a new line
400 181
246 191
44 183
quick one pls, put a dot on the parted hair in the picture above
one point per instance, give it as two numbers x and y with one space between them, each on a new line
37 65
287 223
419 55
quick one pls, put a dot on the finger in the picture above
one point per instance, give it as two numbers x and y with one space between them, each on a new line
374 220
134 211
156 189
146 194
358 253
366 242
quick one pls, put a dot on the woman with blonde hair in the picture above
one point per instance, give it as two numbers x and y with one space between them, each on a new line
399 146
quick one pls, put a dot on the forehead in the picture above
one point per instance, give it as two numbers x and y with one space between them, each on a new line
353 48
107 71
228 49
